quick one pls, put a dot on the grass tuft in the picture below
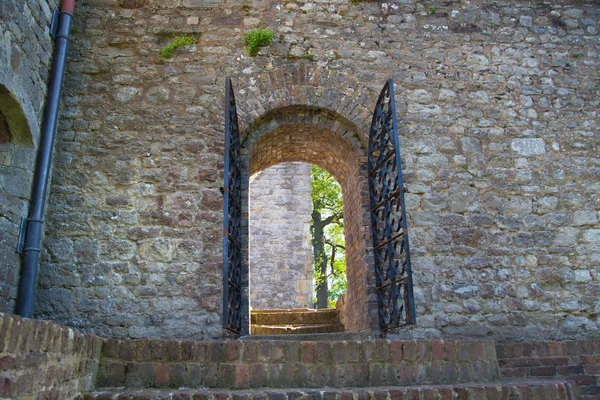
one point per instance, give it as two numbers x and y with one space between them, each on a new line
256 39
179 41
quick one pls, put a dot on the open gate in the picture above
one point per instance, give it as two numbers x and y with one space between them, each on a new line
232 218
388 217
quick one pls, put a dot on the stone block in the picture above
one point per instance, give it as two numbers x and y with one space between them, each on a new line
202 4
583 217
463 199
528 147
16 182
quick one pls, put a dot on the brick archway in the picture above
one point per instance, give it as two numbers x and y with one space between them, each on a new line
325 138
340 94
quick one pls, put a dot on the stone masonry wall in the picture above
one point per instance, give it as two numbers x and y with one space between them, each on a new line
497 104
25 56
43 360
281 262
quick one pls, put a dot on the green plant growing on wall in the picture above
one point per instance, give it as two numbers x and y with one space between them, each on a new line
131 3
431 10
308 57
179 41
256 39
361 1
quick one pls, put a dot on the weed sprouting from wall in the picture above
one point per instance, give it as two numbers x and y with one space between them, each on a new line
256 39
179 41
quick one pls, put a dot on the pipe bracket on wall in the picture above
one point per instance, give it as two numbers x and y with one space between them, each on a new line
22 231
54 24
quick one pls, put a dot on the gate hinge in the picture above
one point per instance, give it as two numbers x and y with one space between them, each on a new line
54 24
22 232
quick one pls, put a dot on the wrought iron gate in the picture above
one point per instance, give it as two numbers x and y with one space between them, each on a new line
232 218
388 217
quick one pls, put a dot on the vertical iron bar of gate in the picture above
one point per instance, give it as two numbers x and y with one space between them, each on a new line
410 297
226 206
231 200
386 187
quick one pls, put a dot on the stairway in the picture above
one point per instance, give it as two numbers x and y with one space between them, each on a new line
509 390
295 321
292 369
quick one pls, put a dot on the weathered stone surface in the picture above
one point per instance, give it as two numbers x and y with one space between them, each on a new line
528 147
281 262
463 199
497 108
25 54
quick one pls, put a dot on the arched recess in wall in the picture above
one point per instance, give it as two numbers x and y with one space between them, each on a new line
15 127
324 138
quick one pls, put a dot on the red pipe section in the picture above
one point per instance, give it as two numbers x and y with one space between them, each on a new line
68 6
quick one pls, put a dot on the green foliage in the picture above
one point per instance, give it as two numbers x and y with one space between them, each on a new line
328 205
308 57
334 234
326 193
256 39
179 41
431 10
361 1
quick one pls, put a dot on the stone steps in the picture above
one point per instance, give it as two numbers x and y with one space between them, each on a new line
295 329
295 316
315 337
369 369
505 389
295 321
239 364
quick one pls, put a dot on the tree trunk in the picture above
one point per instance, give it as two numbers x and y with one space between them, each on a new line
320 259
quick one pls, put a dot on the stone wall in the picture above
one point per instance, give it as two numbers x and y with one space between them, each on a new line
25 56
281 262
498 126
43 360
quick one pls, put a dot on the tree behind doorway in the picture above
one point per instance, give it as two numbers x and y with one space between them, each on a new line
327 231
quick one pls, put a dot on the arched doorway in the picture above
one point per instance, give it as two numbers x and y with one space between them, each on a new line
379 292
321 137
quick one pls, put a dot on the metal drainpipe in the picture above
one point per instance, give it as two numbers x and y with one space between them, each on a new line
33 235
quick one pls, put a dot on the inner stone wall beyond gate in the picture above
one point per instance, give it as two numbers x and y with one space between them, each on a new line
280 255
498 126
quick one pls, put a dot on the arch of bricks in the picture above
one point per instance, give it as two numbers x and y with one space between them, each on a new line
341 94
331 141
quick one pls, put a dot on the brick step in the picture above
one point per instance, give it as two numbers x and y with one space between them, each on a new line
316 337
301 316
304 329
239 364
506 389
